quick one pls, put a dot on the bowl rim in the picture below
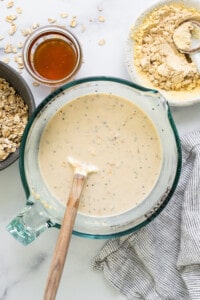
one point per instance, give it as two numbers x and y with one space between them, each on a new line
12 75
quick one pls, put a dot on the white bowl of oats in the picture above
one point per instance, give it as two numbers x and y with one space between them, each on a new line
16 106
152 58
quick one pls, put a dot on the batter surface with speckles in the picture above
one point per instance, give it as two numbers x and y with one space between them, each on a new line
111 133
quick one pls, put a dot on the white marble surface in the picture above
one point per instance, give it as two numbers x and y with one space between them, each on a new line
23 270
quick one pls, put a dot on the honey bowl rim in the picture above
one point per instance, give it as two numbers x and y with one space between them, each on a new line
45 31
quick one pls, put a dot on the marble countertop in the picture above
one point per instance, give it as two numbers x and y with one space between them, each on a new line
23 270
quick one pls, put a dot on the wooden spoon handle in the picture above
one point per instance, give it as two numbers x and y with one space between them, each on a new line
64 237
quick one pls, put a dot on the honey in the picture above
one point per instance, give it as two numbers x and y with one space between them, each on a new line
54 59
52 55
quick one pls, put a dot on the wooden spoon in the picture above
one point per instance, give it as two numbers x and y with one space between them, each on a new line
81 170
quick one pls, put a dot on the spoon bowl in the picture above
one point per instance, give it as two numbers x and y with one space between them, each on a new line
187 39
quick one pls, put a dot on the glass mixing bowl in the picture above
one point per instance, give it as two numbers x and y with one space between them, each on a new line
43 211
16 81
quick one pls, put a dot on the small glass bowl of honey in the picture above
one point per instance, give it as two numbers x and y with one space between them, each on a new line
52 55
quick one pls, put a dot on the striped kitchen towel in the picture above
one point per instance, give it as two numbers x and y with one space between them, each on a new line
162 260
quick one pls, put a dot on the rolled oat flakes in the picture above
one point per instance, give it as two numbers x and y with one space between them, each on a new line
155 55
13 119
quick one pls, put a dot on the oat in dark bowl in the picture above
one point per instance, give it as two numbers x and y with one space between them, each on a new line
16 106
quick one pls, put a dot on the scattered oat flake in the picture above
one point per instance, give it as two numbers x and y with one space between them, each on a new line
102 42
8 48
14 50
26 32
20 45
19 62
64 15
18 59
51 20
101 19
20 67
12 29
10 4
83 28
35 83
1 37
18 10
35 25
73 22
11 18
6 60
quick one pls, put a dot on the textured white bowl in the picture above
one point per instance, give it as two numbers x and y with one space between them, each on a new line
175 98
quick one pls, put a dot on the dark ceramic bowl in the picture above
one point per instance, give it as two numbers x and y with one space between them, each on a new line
22 89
